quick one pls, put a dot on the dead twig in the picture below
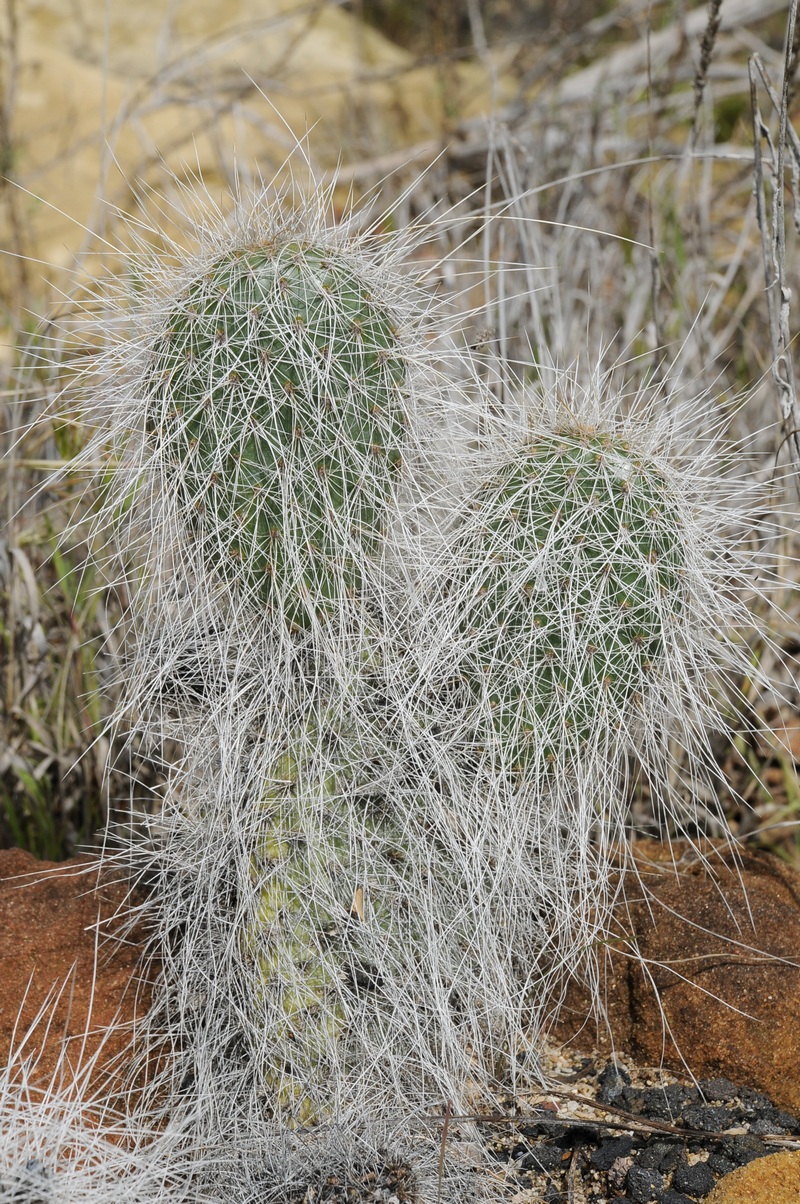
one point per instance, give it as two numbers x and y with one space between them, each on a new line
773 246
629 1122
575 1193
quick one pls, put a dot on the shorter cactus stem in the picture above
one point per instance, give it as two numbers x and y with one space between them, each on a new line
308 908
569 572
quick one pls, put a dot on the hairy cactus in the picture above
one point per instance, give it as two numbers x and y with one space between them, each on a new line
573 565
276 385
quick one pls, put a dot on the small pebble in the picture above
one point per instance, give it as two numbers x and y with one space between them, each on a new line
718 1090
604 1158
773 1120
649 1158
612 1081
673 1155
697 1180
707 1118
644 1185
719 1165
679 1096
543 1157
661 1103
632 1100
754 1101
785 1120
660 1156
742 1149
763 1125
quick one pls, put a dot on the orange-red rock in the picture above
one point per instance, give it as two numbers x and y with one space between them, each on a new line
721 995
50 950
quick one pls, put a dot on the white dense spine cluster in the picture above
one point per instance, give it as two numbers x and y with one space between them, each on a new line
67 1138
591 582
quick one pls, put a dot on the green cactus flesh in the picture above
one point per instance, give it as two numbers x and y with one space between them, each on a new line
575 576
296 988
305 952
276 391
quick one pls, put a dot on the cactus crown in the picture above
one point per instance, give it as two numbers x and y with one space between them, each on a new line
573 559
276 385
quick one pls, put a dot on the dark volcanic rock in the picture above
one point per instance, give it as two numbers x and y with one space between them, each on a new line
644 1185
697 1180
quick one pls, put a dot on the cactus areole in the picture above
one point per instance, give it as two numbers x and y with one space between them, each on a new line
277 401
574 592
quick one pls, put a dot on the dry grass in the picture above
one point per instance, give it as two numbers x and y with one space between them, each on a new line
635 238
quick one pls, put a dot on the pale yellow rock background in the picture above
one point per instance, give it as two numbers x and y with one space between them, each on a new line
101 94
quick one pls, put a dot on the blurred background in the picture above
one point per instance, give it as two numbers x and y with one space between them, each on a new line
633 224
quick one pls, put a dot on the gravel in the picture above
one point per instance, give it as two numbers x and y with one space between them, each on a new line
683 1137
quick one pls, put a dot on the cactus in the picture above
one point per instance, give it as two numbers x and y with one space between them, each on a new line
277 398
357 956
276 385
574 561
